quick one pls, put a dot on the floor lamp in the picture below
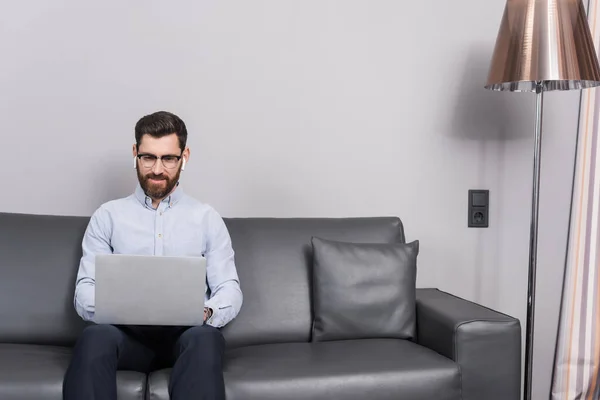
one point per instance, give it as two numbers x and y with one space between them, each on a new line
542 45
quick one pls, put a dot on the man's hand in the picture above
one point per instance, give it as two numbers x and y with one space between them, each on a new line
207 313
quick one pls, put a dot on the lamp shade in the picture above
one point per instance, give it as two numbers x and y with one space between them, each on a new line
546 41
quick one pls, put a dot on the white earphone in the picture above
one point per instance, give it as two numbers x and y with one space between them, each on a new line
183 165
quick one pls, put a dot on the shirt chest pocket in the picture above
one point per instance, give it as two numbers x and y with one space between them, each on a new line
185 245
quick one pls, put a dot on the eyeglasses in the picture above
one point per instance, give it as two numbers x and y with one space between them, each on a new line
148 160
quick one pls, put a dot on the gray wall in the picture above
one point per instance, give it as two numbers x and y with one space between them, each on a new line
298 108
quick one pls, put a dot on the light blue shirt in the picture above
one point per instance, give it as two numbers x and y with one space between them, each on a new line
179 226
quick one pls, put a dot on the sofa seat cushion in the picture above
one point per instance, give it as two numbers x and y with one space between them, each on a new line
31 372
373 369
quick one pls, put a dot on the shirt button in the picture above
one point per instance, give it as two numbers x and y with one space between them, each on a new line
161 213
160 235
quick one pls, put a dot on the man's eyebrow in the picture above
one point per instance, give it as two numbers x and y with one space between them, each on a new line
145 153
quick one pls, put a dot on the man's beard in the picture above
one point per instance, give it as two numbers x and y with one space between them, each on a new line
160 190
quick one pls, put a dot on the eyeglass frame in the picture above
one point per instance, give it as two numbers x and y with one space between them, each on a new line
156 158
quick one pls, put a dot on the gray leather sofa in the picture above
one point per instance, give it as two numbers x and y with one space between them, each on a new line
462 350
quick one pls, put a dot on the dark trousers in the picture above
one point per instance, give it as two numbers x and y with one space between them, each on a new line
194 353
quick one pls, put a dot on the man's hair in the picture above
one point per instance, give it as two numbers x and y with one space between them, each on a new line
159 124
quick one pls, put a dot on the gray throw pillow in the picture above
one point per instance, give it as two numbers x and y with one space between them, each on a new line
364 290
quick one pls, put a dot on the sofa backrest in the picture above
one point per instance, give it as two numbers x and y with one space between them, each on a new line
39 257
274 260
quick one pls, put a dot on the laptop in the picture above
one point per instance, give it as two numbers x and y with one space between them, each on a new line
149 290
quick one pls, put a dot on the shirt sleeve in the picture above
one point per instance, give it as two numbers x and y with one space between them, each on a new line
96 240
226 295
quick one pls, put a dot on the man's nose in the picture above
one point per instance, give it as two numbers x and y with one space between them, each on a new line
157 169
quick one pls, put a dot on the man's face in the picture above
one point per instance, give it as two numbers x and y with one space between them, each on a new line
158 177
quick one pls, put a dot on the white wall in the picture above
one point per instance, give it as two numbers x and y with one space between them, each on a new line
297 108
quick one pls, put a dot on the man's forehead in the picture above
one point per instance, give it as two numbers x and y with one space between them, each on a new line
164 145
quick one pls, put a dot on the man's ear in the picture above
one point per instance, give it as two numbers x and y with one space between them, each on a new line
134 150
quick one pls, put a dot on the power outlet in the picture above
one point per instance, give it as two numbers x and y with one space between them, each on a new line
479 203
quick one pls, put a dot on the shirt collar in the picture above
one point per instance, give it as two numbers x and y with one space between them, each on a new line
171 199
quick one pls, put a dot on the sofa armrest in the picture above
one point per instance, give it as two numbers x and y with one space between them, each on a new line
486 344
